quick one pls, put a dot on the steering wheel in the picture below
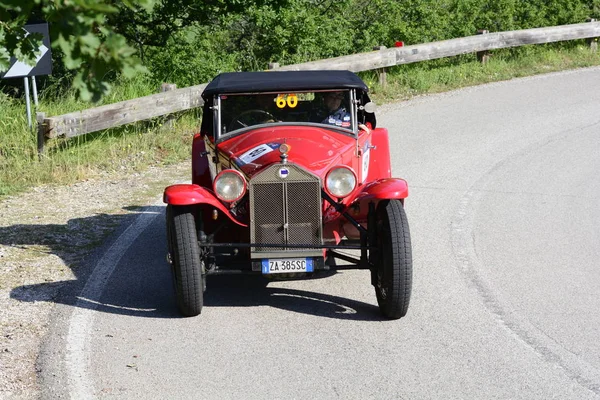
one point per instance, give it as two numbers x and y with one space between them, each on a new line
250 117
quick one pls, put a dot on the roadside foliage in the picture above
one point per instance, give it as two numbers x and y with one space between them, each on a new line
106 51
189 41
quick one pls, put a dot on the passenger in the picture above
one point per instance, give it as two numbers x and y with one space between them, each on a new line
335 110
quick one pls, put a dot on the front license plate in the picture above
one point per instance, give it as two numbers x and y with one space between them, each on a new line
287 265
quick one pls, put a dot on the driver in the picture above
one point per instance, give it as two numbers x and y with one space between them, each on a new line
335 110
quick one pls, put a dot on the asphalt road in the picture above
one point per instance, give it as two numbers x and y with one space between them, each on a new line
505 225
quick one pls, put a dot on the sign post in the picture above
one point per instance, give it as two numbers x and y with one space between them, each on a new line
42 65
34 87
27 103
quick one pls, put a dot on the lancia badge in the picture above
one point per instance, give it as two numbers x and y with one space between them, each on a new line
283 172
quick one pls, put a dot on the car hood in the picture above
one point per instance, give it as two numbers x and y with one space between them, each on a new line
316 149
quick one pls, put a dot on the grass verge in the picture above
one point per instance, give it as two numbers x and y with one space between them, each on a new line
137 146
132 147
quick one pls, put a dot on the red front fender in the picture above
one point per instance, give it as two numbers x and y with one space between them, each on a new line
189 194
387 188
381 189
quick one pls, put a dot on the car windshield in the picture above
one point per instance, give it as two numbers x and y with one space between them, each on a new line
329 108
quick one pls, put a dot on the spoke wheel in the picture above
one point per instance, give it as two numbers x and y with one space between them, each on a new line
188 267
393 260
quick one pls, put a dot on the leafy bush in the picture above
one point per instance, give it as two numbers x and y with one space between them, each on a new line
294 31
192 56
190 41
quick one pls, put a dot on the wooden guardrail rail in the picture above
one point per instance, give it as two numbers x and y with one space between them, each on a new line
452 47
117 114
125 112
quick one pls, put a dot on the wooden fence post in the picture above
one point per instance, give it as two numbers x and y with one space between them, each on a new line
483 56
592 42
381 72
42 130
165 87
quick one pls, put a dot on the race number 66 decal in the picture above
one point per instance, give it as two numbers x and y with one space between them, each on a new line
291 100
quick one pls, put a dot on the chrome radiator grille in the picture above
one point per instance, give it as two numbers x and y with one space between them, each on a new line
285 210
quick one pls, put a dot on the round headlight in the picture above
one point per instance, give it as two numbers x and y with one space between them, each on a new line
340 181
229 185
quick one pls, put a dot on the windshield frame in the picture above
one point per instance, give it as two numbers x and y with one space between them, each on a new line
217 116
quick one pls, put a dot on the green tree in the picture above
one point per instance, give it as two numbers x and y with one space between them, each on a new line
189 41
79 30
154 27
97 37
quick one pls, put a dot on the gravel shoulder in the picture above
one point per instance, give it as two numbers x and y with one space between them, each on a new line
45 234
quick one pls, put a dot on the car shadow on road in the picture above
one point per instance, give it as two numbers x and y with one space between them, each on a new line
141 284
79 244
254 291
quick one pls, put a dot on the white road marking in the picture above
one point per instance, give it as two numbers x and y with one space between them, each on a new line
76 362
106 305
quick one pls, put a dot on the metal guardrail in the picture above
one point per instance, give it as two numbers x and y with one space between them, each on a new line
168 102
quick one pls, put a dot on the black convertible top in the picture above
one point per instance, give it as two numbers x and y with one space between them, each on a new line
274 81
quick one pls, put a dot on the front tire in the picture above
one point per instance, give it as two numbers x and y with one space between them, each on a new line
188 267
393 260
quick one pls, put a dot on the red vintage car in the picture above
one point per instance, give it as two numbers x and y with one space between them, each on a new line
291 177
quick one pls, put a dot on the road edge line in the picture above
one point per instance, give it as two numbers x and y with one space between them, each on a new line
76 362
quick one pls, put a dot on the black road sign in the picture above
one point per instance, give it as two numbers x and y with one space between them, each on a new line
43 64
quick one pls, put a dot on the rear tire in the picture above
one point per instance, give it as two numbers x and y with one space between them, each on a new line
393 260
188 267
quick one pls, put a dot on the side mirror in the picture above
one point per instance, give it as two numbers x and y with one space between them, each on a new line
370 107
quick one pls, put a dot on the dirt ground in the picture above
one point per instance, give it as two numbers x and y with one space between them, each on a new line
44 235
